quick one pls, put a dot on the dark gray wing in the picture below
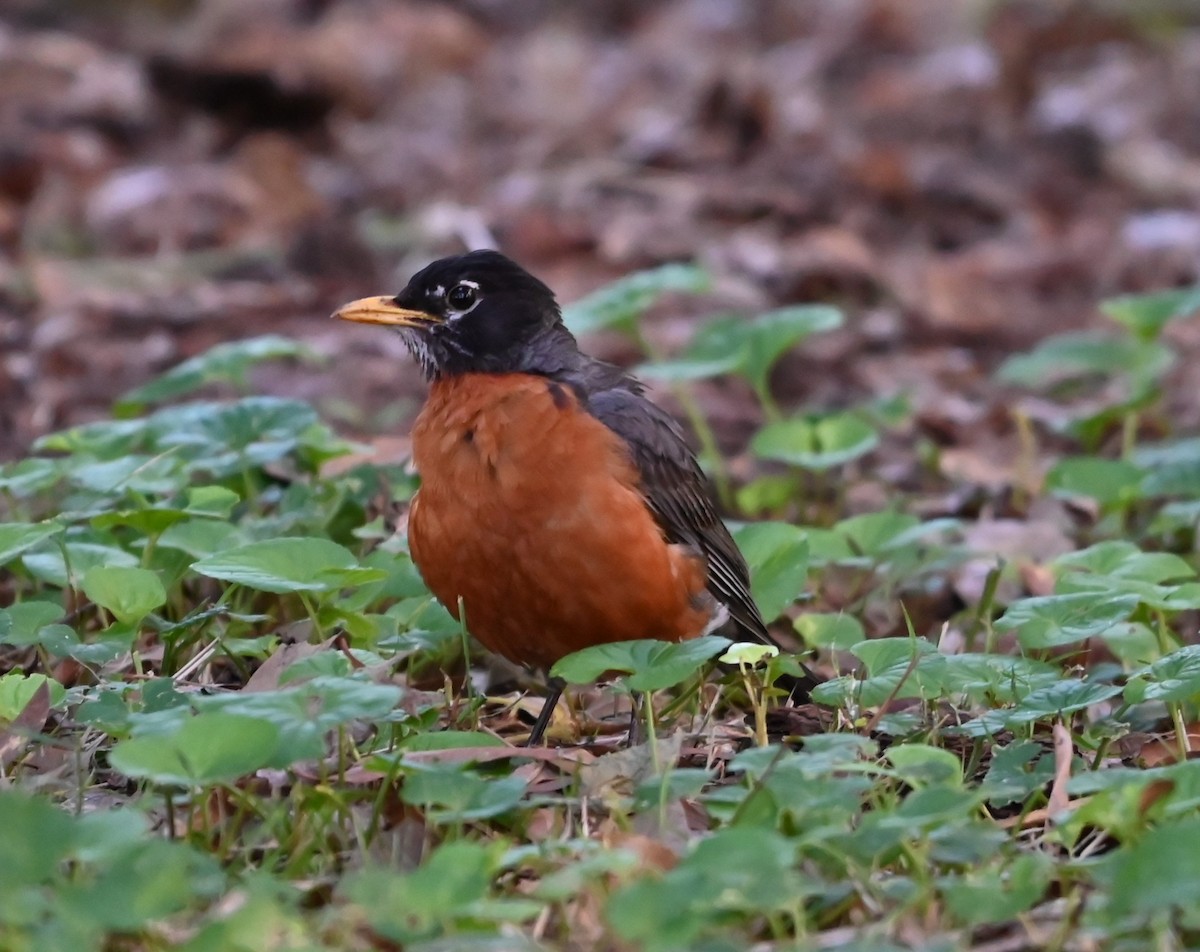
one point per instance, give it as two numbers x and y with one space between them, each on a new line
677 493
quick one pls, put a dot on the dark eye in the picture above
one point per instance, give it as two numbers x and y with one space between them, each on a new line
461 297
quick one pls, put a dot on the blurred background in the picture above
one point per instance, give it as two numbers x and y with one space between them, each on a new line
962 178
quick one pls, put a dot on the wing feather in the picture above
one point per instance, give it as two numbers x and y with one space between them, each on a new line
677 493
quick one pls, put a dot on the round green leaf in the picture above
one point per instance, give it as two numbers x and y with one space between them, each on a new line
1173 678
619 305
816 442
830 630
1055 700
1158 871
209 748
16 537
227 362
1108 481
17 690
282 565
129 593
651 665
777 554
52 567
1048 621
1147 314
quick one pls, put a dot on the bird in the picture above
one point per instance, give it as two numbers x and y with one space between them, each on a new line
559 507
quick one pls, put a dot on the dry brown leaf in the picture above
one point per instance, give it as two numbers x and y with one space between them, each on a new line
1041 816
622 771
1164 749
1064 750
15 737
266 678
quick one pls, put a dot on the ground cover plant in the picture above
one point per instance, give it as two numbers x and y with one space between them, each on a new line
231 717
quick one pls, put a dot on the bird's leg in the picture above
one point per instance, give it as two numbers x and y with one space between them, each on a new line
556 686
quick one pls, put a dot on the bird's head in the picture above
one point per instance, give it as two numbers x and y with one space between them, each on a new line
474 313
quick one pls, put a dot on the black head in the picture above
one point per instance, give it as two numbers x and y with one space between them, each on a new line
474 313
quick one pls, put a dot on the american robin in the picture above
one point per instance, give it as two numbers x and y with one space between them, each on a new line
558 505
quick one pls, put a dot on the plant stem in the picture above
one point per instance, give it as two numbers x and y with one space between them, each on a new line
1181 733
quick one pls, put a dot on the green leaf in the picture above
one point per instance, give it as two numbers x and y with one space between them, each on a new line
63 641
129 593
684 369
1172 469
200 538
748 347
904 667
777 554
1145 315
144 883
878 534
29 476
212 747
837 631
38 836
1132 642
456 795
1048 621
1016 771
1118 559
1109 482
998 893
17 690
281 565
305 713
650 665
451 884
1161 870
133 472
921 764
996 679
816 442
16 537
28 618
885 654
147 522
451 740
745 869
213 440
619 305
52 567
225 363
1083 354
214 501
1055 700
774 333
1175 677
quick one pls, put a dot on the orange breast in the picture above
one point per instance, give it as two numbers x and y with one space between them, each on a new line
529 512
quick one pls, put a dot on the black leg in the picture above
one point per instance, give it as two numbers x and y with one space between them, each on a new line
556 685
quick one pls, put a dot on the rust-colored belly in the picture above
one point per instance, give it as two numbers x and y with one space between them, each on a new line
529 512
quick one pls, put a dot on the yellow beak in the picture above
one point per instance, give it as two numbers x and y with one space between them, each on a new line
383 310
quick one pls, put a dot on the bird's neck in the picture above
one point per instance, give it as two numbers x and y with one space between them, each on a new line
552 353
